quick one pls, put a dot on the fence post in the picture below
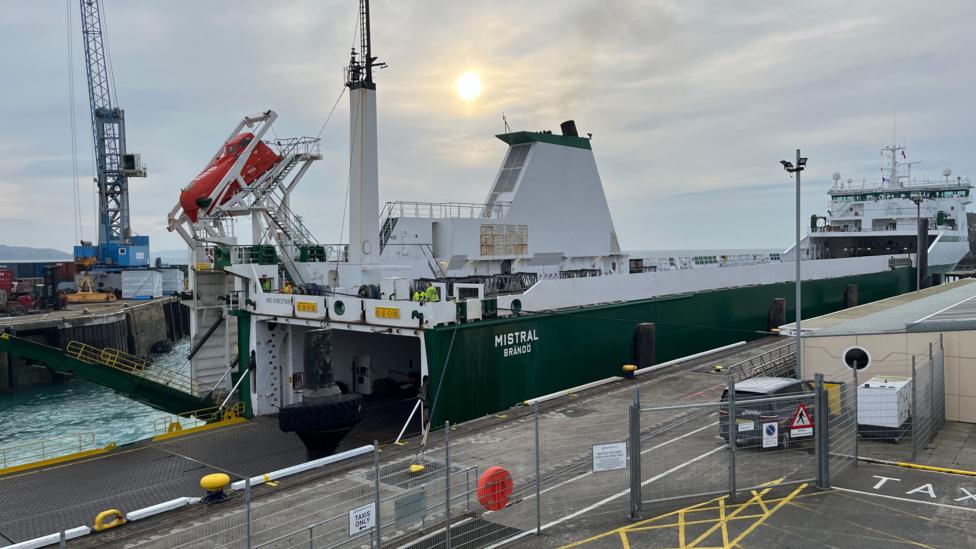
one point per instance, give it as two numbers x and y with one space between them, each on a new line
856 434
914 411
820 434
247 508
447 482
733 431
932 393
635 457
62 541
538 473
376 488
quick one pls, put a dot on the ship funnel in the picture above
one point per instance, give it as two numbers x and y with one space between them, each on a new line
569 128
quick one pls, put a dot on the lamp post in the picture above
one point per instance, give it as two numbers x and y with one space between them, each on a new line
801 163
917 199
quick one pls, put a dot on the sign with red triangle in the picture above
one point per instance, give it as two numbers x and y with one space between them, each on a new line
802 425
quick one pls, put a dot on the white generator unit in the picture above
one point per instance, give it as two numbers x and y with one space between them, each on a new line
172 281
884 401
141 284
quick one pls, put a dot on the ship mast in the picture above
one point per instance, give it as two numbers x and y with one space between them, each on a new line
363 162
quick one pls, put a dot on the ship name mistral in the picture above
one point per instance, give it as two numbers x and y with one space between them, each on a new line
516 343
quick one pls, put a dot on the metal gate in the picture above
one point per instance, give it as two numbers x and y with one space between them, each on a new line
733 445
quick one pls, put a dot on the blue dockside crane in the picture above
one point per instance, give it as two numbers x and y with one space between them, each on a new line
117 248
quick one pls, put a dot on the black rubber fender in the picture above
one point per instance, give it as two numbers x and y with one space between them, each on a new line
345 412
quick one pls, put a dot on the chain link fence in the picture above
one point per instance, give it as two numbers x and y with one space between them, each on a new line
888 417
760 432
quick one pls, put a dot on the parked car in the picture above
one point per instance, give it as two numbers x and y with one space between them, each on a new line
750 415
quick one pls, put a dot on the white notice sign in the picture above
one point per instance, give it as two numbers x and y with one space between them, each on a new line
770 435
609 457
362 518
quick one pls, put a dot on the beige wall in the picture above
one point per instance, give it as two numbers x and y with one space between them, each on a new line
891 355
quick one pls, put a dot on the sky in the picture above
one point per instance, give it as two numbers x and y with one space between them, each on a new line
691 103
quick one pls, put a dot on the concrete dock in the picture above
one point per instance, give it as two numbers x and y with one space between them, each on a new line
128 325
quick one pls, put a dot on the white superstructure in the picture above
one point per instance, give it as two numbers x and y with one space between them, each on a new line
882 217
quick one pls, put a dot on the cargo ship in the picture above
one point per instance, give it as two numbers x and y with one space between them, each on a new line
531 291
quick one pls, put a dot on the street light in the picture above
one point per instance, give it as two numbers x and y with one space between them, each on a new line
801 163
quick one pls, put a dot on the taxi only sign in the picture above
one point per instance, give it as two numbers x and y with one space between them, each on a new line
801 426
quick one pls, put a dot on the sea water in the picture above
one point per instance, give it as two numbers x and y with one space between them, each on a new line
81 413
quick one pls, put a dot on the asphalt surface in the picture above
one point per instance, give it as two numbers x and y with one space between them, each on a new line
38 502
872 506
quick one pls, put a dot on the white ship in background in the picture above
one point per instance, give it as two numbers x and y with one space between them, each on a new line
882 217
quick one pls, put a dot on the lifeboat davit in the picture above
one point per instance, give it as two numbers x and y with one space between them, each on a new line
197 195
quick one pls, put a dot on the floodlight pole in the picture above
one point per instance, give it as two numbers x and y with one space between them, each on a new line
799 306
919 243
795 169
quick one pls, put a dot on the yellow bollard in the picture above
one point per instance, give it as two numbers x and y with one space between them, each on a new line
116 520
629 370
214 484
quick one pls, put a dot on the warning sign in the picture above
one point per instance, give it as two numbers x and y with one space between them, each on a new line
801 426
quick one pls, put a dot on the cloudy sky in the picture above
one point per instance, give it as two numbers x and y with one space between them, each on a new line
691 103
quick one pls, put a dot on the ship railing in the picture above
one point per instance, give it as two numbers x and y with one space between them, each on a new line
134 365
40 450
677 263
777 362
445 210
310 146
168 423
961 182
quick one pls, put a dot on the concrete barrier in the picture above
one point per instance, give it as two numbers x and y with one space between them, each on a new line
302 467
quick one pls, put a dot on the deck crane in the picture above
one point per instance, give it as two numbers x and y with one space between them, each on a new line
117 248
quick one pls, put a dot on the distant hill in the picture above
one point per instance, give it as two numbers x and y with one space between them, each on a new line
22 253
170 257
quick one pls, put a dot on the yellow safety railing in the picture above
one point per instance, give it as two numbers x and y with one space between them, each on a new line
29 452
114 358
170 423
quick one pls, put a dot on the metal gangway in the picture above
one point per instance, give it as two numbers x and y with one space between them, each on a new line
134 377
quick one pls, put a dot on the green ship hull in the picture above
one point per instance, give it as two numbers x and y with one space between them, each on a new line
483 367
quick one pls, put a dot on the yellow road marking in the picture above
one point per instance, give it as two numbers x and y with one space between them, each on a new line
718 525
726 513
768 514
724 523
686 523
642 522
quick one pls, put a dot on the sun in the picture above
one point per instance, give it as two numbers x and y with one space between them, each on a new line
468 86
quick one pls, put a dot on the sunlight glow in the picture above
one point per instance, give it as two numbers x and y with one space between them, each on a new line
468 86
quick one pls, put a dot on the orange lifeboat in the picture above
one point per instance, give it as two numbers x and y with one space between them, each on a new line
196 197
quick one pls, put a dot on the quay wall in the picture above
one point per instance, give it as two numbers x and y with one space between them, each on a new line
135 327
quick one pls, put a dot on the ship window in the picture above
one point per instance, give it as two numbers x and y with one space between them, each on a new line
510 170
